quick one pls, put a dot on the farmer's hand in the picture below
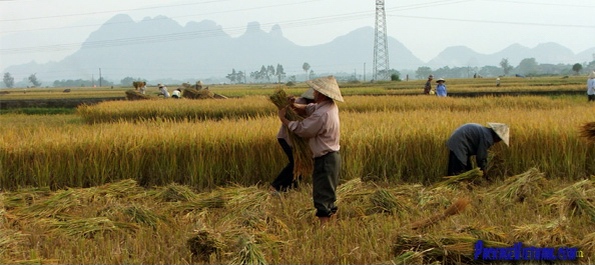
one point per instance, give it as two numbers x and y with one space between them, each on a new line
282 112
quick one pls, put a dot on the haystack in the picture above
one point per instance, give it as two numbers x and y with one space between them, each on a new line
135 95
302 155
193 93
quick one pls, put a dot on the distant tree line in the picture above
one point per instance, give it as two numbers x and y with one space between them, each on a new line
527 67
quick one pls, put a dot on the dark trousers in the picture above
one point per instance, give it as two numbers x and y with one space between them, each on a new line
326 180
591 97
456 167
285 180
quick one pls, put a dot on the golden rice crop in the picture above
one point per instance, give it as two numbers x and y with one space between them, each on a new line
388 145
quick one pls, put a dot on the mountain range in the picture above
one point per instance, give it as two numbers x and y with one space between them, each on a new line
159 48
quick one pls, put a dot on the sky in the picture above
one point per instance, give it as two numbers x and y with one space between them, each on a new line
426 27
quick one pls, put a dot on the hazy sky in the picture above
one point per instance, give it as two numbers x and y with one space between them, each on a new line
426 27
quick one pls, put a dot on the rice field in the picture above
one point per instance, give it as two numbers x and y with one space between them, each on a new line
185 181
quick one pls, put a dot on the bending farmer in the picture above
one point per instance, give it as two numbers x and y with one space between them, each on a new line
473 139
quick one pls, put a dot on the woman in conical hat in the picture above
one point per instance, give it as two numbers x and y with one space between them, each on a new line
322 129
473 139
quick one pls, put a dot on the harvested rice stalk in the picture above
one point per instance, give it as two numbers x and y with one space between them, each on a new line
587 244
141 215
484 233
469 175
588 131
384 202
302 155
250 252
441 250
175 192
198 204
522 186
59 202
120 189
457 207
576 198
88 227
550 234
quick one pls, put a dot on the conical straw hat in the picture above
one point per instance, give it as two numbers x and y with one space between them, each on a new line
592 74
327 86
501 130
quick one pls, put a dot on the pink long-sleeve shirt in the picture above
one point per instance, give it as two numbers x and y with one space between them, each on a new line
321 127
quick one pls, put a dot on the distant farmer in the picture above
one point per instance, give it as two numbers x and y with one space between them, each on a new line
177 93
163 91
428 86
143 87
473 139
441 87
322 129
591 86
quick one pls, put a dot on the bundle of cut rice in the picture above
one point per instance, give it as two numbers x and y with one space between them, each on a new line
203 244
250 252
452 249
302 155
469 175
588 131
575 199
552 234
384 202
521 187
175 192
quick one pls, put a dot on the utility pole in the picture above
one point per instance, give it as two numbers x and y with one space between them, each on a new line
364 72
99 77
381 66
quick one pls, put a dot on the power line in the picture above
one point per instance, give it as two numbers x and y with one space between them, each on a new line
110 11
497 22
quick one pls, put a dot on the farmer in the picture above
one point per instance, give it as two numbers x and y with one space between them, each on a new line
286 180
177 93
473 139
428 86
591 86
163 91
322 129
441 87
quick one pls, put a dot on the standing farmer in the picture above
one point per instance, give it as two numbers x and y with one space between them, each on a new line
322 129
441 87
428 85
473 139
